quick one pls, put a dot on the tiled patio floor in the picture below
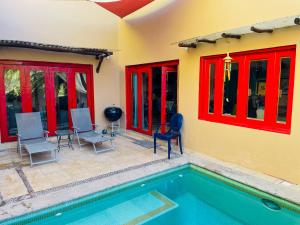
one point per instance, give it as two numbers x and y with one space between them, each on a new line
72 166
80 172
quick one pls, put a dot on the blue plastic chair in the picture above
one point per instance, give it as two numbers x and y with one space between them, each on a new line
173 133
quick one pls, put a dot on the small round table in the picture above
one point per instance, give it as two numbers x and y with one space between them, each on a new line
65 137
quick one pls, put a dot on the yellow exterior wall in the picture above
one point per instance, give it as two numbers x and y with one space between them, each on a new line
148 38
79 24
144 38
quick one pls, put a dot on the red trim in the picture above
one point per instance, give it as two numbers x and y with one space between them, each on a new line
269 123
156 64
49 68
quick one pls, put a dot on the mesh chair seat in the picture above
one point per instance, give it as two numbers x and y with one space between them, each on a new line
39 147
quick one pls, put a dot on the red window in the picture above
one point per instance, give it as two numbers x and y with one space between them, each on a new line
258 92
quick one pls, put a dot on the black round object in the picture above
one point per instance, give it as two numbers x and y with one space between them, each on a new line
113 114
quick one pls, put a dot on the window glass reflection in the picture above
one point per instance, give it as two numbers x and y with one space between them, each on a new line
134 83
61 91
211 88
13 98
230 86
145 105
37 79
81 90
257 89
283 89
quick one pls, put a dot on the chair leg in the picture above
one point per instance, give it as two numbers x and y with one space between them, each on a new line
169 149
78 140
95 149
180 144
154 145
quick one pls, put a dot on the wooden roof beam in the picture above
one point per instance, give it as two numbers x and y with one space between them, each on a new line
228 35
257 30
206 41
185 45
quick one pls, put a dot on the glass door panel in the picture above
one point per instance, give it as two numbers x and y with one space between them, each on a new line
140 100
145 101
61 94
12 82
284 79
134 100
257 89
81 90
230 87
168 96
38 94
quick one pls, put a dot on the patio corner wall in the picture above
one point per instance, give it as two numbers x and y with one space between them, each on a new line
148 38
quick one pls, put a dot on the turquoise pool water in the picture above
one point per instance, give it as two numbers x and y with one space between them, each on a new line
185 196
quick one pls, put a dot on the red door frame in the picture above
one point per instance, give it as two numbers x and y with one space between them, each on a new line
139 72
167 66
49 68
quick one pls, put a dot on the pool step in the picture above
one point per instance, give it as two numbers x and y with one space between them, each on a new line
138 210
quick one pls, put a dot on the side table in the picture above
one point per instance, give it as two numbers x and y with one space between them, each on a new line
64 138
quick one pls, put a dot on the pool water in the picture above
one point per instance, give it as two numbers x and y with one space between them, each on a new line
185 196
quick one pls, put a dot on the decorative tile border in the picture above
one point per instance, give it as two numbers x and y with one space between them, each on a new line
32 193
25 181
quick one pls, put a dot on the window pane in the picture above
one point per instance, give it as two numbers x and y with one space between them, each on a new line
13 98
211 87
37 79
230 91
61 91
145 101
283 89
134 82
81 90
257 89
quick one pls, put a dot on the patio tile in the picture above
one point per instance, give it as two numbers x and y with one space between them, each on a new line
11 184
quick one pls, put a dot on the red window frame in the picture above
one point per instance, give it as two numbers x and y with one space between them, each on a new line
49 68
274 56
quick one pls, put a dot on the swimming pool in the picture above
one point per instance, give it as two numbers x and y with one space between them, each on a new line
188 195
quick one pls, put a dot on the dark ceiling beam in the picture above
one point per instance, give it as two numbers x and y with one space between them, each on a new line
228 35
297 21
185 45
206 41
257 30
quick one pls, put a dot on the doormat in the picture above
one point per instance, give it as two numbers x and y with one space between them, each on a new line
145 143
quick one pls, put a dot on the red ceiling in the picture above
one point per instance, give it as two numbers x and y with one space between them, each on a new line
123 8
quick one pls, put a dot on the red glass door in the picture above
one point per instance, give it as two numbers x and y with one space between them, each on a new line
139 81
12 88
